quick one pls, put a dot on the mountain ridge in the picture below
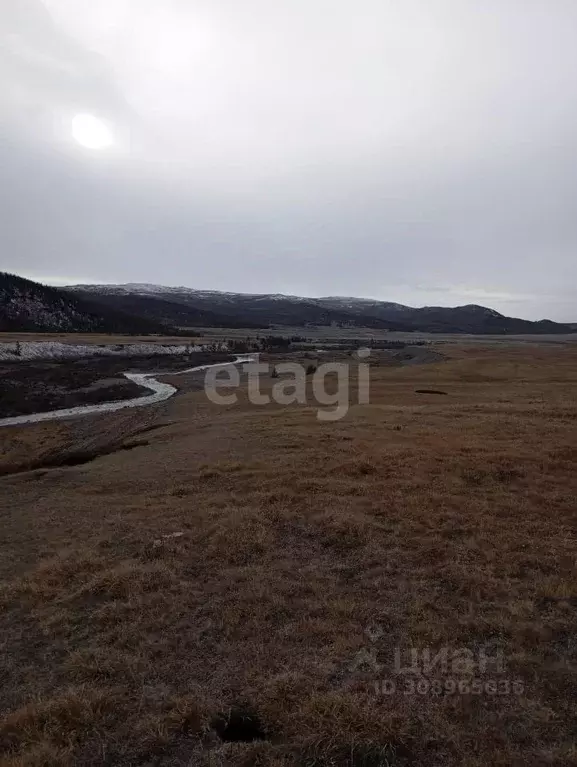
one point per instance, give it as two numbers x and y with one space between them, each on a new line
232 309
264 309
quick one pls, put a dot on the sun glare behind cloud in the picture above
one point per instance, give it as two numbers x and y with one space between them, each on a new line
91 132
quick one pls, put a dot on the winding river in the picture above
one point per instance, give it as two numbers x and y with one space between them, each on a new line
160 392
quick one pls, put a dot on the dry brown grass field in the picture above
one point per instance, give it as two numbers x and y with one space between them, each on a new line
447 521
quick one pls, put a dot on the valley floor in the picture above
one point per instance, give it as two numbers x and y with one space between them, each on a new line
165 567
32 386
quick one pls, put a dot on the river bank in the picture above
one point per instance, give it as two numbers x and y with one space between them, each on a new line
28 387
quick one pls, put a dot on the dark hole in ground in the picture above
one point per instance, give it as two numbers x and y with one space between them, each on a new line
238 726
430 391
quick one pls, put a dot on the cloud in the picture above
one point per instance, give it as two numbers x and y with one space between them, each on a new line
46 76
382 149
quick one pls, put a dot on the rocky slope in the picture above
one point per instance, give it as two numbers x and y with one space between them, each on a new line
31 307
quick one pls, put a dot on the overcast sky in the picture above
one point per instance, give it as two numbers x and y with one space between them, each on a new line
420 151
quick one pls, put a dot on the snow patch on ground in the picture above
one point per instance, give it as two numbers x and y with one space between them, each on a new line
54 350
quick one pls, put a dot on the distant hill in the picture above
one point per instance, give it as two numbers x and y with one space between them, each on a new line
28 306
185 307
215 309
470 318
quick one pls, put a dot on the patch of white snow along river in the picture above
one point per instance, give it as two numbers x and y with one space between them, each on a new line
161 391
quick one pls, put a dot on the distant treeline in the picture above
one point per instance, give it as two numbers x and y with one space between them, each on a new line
275 343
